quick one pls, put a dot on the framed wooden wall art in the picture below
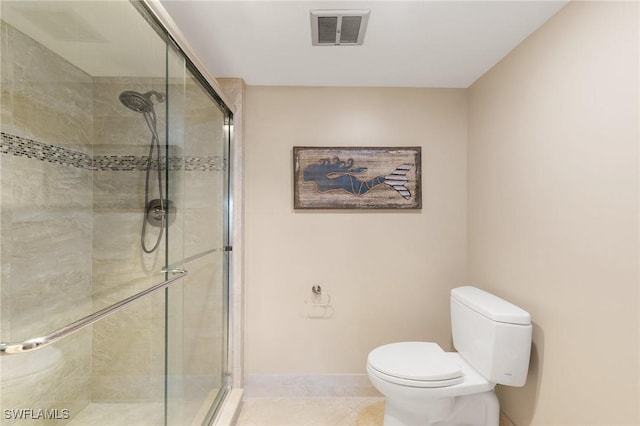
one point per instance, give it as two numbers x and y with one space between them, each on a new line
357 177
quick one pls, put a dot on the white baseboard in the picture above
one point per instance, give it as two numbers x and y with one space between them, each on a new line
306 386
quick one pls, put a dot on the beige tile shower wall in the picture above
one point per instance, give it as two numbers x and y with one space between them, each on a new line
47 96
553 210
204 189
204 295
388 272
45 221
128 362
122 372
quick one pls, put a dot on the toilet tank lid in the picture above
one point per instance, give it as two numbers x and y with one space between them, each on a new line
491 306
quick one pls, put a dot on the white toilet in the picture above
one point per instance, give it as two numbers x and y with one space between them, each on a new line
424 385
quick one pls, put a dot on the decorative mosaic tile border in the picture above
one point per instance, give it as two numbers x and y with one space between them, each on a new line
23 147
204 164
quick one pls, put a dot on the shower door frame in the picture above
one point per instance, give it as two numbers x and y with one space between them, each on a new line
175 40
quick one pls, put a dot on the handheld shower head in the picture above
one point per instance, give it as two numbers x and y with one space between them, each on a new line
139 102
156 210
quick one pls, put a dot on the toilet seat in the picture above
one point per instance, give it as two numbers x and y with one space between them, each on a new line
416 364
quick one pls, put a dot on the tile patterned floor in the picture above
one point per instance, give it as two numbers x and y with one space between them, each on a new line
119 414
328 411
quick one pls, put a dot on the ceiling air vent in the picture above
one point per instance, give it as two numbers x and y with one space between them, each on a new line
338 27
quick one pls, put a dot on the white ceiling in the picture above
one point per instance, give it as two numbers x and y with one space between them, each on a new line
407 44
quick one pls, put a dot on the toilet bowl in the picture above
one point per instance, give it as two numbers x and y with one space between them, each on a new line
421 382
424 385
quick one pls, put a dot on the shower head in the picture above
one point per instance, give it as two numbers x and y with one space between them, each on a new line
139 102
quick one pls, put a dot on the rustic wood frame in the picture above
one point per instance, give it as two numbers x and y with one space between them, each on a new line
357 177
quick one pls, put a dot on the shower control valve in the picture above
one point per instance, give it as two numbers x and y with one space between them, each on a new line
159 211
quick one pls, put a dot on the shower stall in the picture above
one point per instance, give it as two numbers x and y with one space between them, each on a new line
114 220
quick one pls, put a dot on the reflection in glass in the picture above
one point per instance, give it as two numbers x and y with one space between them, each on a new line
112 166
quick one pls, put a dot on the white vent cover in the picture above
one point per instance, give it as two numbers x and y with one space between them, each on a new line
338 27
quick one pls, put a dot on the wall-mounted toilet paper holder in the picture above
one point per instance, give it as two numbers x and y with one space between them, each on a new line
319 298
320 302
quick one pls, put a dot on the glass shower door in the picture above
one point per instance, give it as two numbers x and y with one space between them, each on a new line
102 122
72 184
197 311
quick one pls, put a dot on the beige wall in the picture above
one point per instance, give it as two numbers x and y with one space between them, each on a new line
388 272
553 210
552 181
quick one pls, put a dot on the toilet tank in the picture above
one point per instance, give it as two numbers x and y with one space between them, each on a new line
491 334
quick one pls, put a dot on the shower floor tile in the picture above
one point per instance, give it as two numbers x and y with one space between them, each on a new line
330 411
119 414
